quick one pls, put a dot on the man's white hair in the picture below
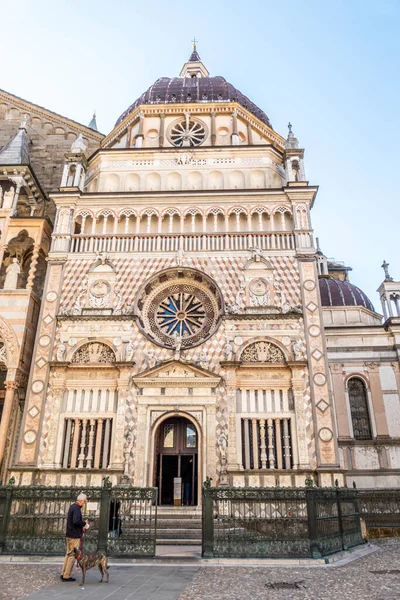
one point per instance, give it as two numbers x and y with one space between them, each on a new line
81 497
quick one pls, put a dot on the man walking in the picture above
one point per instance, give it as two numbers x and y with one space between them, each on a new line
75 526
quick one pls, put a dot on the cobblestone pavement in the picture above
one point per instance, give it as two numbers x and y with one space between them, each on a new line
374 577
17 581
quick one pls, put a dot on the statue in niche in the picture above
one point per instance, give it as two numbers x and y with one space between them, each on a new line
295 170
177 345
179 258
118 302
203 360
12 272
60 352
151 359
228 350
130 349
127 453
297 349
8 198
222 448
235 307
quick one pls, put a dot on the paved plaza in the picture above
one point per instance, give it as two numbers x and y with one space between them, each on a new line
374 576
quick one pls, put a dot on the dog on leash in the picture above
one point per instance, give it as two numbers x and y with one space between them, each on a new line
88 561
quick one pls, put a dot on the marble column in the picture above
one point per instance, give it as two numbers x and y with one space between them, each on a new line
10 386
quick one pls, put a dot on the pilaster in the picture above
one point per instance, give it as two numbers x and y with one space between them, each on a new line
42 354
326 445
378 404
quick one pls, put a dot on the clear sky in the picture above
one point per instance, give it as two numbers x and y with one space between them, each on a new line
331 68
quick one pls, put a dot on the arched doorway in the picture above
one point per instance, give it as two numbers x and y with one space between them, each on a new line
176 462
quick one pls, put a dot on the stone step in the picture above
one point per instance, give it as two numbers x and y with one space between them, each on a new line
178 534
180 542
177 524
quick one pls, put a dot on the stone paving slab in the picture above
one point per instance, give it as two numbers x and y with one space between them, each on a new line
139 583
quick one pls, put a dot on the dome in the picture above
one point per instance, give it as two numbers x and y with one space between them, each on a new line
335 292
195 89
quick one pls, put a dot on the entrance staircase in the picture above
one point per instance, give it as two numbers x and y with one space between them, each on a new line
179 525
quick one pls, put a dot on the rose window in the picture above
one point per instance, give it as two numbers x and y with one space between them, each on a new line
183 304
181 314
187 132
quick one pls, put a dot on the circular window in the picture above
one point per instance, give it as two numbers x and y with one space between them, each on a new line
187 132
179 303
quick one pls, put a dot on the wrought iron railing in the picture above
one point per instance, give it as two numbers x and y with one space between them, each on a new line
380 508
33 519
279 522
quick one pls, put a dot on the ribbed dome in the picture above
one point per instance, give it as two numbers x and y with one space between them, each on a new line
195 89
335 292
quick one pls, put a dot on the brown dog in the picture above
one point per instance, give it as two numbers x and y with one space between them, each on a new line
87 561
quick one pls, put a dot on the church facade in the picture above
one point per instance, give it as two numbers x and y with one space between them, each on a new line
165 313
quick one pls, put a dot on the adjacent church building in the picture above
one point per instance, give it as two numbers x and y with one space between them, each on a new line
166 312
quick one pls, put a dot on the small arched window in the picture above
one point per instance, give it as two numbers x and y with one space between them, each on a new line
359 409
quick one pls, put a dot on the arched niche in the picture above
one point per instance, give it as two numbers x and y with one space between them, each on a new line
153 182
236 180
132 182
174 181
194 181
21 248
216 180
257 179
111 183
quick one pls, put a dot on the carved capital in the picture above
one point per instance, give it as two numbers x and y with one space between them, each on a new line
10 385
336 367
372 366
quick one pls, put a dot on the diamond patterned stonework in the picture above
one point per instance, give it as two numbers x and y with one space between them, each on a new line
312 306
48 319
322 405
317 354
41 362
33 412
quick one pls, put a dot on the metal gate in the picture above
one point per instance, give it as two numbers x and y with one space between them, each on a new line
123 520
279 522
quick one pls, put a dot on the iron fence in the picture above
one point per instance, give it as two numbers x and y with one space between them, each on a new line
279 522
380 508
33 520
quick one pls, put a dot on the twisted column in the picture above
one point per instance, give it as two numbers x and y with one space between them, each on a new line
33 267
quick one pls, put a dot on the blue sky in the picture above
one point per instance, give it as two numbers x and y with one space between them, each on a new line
331 68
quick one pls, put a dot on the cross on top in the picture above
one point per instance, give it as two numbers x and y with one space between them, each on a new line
385 267
194 42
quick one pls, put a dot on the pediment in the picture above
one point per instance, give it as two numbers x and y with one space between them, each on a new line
177 372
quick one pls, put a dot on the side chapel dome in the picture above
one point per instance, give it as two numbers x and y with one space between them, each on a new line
335 292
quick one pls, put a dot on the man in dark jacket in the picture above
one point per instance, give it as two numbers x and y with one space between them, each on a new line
75 525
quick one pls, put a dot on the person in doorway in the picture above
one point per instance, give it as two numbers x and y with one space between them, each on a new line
75 527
